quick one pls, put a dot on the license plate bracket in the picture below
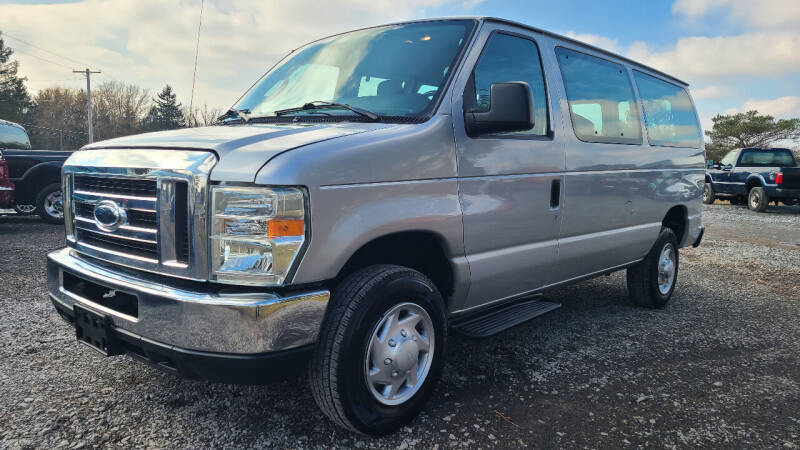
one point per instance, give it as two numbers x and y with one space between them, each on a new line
95 330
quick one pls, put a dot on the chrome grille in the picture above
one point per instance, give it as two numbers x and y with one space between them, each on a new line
157 200
138 236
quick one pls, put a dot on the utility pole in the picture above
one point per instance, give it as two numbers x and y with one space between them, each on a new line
88 74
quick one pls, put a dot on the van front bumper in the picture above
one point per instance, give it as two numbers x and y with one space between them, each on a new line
197 330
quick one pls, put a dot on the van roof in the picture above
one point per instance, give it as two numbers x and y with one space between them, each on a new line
583 44
547 33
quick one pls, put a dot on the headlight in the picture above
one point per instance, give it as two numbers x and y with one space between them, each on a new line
256 234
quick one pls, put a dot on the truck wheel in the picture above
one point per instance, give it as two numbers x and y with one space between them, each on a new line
49 204
757 200
380 350
25 210
708 194
652 281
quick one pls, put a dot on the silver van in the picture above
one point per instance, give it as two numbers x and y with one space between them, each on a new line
373 192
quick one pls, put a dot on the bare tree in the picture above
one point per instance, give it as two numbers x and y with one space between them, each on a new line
55 109
201 116
118 109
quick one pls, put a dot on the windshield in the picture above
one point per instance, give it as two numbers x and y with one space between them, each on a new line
767 158
391 71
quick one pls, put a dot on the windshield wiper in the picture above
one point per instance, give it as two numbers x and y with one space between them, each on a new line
234 115
320 104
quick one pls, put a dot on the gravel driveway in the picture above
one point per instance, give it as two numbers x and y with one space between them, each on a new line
719 367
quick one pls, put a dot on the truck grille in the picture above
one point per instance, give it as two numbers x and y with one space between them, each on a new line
150 215
138 236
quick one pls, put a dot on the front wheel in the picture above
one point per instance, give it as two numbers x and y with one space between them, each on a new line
652 281
50 205
757 200
380 350
708 194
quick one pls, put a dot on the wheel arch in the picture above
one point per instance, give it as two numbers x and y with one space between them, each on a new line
422 250
36 178
754 181
677 219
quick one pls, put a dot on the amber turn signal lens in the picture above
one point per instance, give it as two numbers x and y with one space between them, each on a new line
279 228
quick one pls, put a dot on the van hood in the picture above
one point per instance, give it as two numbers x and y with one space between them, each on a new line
242 149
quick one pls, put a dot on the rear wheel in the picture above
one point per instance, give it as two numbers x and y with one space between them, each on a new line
757 200
50 205
380 350
708 194
652 281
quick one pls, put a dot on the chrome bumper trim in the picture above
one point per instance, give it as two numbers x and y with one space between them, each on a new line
224 322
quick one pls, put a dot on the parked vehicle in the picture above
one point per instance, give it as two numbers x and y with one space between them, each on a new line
35 173
372 191
6 186
757 176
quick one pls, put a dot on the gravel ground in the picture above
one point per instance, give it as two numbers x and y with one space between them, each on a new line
719 367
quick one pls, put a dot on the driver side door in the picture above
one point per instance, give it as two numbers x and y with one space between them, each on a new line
509 183
722 177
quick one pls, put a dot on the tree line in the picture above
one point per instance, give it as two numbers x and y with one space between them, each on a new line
57 116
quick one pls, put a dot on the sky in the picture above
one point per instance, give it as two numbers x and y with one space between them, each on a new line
736 54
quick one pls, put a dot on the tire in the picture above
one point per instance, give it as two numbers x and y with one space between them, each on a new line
646 286
25 210
349 340
757 199
49 204
708 194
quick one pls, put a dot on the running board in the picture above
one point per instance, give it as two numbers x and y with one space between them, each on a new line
491 322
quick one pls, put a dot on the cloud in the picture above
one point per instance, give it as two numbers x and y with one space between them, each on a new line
710 92
152 42
596 40
755 13
786 107
757 53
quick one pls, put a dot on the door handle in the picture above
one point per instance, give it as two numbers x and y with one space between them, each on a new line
555 194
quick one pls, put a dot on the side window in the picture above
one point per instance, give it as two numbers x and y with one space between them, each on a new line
510 58
601 100
728 159
668 112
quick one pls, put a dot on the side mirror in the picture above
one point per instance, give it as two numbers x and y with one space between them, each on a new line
728 168
510 109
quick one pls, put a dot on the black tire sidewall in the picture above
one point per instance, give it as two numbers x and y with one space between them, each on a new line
41 210
23 213
710 189
361 408
667 236
763 201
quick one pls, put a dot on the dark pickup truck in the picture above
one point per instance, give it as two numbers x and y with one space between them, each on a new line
36 174
755 175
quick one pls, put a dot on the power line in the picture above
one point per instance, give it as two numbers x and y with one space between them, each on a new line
196 52
43 59
46 50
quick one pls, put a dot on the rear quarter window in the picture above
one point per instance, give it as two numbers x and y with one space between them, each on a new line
669 116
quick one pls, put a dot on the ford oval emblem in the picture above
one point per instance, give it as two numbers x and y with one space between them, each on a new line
109 216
